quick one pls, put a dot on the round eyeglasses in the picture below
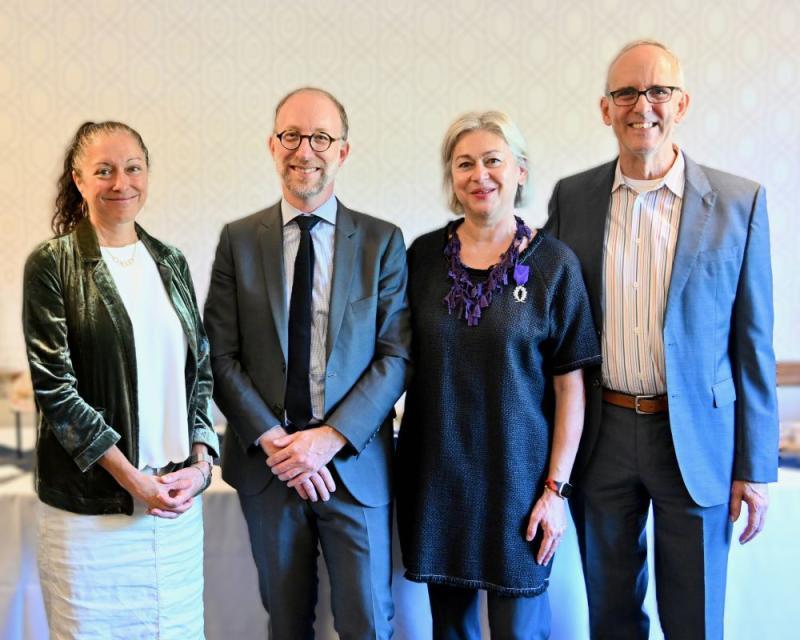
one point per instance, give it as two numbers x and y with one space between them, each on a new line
292 140
628 96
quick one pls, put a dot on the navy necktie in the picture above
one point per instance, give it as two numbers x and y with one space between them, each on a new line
298 392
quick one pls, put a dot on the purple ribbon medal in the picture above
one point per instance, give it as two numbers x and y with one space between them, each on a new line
521 272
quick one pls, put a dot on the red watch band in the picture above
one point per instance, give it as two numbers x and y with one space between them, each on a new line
561 489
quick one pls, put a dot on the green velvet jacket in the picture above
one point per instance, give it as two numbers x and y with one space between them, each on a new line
81 352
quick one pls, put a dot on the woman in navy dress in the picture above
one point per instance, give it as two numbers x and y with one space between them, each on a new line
501 332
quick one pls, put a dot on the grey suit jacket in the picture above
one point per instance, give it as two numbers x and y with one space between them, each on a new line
246 318
717 332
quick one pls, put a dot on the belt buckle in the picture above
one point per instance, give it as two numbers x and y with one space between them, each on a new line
637 399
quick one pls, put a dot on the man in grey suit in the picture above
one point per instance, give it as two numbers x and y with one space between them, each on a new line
682 414
308 322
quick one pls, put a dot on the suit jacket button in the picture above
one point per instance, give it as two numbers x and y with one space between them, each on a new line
596 382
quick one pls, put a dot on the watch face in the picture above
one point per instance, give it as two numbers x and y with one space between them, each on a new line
562 489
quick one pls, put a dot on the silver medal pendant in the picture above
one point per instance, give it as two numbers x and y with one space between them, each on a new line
520 293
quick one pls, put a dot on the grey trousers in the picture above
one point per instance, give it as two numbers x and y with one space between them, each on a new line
356 544
633 466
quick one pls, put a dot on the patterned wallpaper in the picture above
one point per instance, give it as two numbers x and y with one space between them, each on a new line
199 79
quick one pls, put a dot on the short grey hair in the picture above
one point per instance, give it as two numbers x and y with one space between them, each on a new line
327 94
646 42
495 122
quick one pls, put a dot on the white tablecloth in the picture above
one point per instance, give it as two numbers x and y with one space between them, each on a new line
762 597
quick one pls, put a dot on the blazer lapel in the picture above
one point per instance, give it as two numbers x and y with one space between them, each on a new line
698 201
598 196
92 259
344 253
270 242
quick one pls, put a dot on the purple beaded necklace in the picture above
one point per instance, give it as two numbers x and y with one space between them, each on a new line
469 297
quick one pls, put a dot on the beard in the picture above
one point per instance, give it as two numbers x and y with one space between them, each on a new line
305 188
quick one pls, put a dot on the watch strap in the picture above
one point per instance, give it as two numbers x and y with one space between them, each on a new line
202 457
561 489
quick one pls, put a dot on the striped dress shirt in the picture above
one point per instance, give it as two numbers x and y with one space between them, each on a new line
322 237
639 247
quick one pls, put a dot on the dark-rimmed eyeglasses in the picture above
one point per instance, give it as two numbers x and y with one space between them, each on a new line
292 140
628 96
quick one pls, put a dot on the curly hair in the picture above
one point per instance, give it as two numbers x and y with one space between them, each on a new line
70 206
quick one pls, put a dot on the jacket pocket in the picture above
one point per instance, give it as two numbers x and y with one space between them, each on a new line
718 255
362 306
724 392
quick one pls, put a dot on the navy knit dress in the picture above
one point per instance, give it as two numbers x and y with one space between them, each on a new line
474 445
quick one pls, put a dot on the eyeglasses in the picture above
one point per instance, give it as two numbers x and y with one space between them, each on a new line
628 96
318 141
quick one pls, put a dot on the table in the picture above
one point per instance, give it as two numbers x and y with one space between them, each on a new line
762 577
20 401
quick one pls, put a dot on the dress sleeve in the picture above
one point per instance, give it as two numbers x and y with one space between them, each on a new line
573 341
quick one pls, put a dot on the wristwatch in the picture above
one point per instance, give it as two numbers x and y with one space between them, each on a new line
561 489
202 457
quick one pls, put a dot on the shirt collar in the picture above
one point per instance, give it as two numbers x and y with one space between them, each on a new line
326 211
674 180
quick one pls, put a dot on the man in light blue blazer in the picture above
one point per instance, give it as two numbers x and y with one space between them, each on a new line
682 414
308 322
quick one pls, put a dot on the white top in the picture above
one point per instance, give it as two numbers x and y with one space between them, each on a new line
161 349
641 235
322 237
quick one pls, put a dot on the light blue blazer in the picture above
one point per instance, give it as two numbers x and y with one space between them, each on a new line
720 364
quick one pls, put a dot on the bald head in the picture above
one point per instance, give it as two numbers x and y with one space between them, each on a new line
321 92
637 48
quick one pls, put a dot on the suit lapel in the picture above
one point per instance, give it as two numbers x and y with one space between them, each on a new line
598 196
698 201
344 253
270 242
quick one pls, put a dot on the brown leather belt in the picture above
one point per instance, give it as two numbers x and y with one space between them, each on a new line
640 404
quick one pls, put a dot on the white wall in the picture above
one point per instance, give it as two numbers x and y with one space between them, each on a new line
199 79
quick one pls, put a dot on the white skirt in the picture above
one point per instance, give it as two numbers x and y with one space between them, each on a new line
119 576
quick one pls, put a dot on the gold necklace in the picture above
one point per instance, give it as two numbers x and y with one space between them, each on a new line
126 262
